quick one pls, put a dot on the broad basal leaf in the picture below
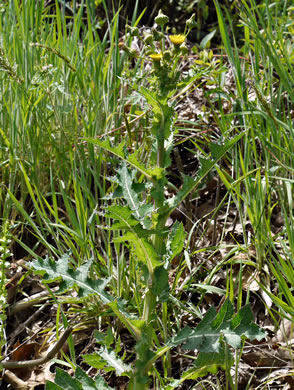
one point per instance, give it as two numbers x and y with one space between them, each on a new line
81 381
214 327
61 269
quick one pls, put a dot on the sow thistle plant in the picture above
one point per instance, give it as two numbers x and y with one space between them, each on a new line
141 205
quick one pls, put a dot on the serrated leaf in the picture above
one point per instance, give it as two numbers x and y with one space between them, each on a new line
65 381
242 324
113 361
163 113
212 360
123 214
94 360
52 386
131 159
86 381
142 248
126 183
160 285
181 337
123 219
135 233
176 239
53 270
81 381
208 334
224 316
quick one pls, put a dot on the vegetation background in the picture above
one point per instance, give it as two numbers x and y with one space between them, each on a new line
146 194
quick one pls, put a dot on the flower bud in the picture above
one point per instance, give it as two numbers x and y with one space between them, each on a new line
148 39
130 51
167 55
190 23
184 49
157 35
161 19
134 31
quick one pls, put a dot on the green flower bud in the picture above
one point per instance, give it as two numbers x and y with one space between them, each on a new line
149 51
131 52
148 39
190 23
167 55
161 19
157 35
184 49
134 31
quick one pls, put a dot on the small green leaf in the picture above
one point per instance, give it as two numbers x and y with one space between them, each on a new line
94 360
52 386
86 381
206 40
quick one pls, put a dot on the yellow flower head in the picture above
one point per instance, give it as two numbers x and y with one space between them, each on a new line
156 56
177 39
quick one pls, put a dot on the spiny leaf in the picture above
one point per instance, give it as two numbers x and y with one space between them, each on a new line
151 99
131 159
163 113
81 381
114 362
208 334
176 239
123 214
142 248
126 182
94 360
160 285
53 270
130 191
135 234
